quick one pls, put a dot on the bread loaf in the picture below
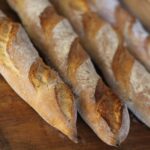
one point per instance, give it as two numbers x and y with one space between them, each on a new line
33 81
129 79
136 38
97 104
140 9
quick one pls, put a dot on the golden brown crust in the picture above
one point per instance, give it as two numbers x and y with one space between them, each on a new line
101 109
4 31
80 5
4 28
108 102
49 19
138 42
81 72
140 9
65 99
76 57
122 68
122 17
8 31
12 35
40 74
34 74
91 27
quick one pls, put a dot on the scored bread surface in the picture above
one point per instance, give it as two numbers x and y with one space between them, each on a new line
134 34
119 68
97 104
35 82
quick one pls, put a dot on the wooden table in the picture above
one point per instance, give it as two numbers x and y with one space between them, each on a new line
22 129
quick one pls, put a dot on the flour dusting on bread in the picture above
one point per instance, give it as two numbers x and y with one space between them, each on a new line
23 48
34 8
107 8
140 80
63 36
107 41
139 31
87 77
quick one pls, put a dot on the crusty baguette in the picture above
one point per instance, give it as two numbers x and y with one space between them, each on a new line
141 9
136 38
99 107
32 80
129 79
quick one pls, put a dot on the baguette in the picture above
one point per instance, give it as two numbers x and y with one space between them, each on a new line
33 81
128 78
97 104
141 9
136 38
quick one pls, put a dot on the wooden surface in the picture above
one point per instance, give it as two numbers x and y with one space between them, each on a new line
22 129
140 8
